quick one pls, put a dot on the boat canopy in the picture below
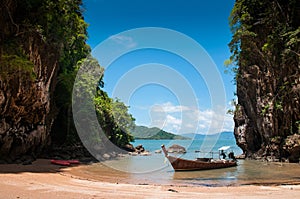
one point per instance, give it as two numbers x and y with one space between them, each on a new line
224 148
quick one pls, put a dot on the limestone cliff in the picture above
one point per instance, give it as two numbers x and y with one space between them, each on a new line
28 67
42 46
38 40
261 127
265 46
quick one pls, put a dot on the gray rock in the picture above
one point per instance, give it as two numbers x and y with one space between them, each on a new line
157 151
106 156
175 148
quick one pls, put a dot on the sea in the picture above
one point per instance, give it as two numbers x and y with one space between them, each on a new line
155 168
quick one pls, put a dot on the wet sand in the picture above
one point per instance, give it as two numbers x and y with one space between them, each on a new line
43 180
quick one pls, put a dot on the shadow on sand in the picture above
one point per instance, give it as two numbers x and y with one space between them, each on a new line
38 166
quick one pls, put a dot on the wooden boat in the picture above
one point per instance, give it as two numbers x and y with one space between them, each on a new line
180 164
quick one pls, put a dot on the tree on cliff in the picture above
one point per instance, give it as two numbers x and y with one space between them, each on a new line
112 122
265 49
42 43
75 53
34 38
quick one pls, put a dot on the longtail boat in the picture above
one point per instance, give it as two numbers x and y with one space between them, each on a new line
180 164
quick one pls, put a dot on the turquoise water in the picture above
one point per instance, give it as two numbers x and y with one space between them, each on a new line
155 169
156 161
210 143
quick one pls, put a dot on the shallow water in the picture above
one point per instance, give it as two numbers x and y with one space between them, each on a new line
247 172
156 169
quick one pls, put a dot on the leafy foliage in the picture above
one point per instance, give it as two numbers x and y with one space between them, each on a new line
11 64
74 53
59 29
114 119
112 115
264 30
266 41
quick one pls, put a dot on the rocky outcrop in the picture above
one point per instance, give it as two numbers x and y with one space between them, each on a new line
28 71
292 147
139 150
262 122
175 148
25 105
266 47
129 148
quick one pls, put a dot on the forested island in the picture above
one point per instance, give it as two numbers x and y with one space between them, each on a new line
154 133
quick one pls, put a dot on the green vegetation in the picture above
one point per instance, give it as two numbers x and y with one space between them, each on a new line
264 32
112 115
162 135
39 35
74 53
124 120
12 64
266 47
154 133
114 119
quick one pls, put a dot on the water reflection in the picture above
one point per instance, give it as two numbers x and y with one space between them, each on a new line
154 170
216 177
247 172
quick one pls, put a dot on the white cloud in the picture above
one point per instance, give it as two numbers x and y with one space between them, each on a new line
125 41
215 121
202 126
189 125
172 124
183 119
170 108
180 119
173 120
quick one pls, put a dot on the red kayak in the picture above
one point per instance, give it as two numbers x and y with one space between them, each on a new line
64 162
73 161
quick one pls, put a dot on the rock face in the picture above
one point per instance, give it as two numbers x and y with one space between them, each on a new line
292 146
26 85
268 78
25 104
262 122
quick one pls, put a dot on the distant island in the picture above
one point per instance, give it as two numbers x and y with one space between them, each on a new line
154 133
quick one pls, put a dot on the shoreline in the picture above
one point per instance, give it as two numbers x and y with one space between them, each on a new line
114 176
45 180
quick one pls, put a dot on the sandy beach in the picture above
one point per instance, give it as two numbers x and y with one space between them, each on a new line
44 180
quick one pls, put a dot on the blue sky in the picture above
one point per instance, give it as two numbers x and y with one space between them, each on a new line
162 88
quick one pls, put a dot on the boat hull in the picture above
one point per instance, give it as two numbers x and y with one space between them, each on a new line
180 164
